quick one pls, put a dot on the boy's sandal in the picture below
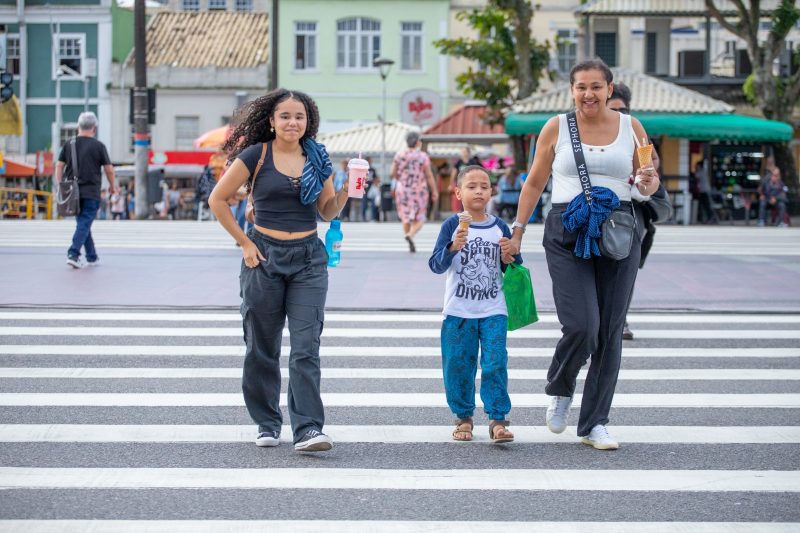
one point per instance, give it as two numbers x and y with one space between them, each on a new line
498 432
463 431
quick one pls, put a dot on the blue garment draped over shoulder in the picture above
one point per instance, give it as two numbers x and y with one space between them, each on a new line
588 218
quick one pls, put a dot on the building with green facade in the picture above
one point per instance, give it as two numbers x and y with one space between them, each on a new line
327 47
60 52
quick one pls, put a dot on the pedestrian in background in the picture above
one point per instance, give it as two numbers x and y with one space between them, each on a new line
772 195
649 209
411 169
284 268
706 214
102 210
591 294
475 314
92 159
117 206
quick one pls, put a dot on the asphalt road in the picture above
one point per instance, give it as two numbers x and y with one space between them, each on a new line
135 418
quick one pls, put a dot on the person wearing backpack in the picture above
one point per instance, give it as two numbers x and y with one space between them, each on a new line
90 157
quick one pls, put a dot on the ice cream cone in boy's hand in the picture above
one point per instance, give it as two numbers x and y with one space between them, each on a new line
464 220
645 155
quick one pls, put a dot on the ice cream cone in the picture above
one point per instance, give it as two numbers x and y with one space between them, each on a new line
645 154
464 220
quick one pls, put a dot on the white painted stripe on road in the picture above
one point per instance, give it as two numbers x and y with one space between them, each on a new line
683 374
391 434
544 318
382 333
26 399
374 351
380 526
389 479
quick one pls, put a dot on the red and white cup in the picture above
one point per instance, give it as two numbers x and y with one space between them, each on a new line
357 170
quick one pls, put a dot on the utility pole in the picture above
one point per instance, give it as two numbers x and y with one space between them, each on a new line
141 135
273 53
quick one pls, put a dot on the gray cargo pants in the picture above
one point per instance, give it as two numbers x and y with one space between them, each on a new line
591 298
292 282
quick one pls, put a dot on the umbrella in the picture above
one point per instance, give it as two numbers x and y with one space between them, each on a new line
213 138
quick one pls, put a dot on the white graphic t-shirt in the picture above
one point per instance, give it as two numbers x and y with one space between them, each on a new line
474 285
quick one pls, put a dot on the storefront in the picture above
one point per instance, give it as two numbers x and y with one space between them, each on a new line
705 129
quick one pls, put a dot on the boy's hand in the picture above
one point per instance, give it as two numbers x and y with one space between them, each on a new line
507 258
460 240
506 255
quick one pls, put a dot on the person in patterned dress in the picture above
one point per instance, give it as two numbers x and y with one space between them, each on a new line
412 170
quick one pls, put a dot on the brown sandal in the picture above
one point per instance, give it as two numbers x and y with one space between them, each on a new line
463 427
500 435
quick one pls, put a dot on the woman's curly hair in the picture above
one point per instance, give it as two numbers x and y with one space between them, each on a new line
252 120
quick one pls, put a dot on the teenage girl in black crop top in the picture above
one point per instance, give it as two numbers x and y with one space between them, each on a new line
284 268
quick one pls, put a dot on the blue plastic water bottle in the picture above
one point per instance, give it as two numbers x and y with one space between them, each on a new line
333 242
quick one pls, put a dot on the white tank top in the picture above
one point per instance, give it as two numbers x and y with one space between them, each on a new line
609 166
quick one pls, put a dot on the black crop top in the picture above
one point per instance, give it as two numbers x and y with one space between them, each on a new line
277 196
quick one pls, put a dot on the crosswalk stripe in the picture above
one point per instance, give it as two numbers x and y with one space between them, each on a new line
401 479
12 399
390 433
374 351
544 318
372 526
692 374
383 333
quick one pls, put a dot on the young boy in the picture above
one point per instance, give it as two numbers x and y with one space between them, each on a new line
474 306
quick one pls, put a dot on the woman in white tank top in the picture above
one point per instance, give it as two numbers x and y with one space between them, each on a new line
591 295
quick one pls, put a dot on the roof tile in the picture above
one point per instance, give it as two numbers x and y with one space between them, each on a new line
212 38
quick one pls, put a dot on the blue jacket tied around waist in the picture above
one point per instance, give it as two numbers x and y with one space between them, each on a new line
315 171
587 219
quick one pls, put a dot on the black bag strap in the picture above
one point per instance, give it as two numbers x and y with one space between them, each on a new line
577 151
74 154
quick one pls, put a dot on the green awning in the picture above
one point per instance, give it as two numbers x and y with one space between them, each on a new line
699 127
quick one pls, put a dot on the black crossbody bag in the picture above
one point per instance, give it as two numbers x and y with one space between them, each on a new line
617 232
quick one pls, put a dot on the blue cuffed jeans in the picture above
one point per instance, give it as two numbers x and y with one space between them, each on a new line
461 338
292 282
83 232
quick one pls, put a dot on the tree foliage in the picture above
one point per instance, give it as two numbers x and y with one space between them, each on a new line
500 74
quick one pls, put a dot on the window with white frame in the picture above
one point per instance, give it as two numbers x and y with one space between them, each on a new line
12 54
305 45
358 43
187 129
566 49
68 131
190 5
217 5
70 55
243 5
411 45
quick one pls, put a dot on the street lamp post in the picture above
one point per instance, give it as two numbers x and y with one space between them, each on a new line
384 65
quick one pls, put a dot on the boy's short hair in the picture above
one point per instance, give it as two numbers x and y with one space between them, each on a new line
466 169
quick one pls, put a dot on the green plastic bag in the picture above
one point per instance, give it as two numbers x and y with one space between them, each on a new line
518 291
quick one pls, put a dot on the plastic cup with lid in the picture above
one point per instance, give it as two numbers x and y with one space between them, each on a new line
357 170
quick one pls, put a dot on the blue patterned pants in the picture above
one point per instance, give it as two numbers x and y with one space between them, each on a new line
460 340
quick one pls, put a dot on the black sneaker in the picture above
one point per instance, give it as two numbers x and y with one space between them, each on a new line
627 334
314 441
268 439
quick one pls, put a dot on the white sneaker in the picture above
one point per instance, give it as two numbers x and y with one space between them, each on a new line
75 262
95 263
600 439
268 439
557 413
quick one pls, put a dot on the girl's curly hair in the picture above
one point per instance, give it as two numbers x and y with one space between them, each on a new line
252 120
